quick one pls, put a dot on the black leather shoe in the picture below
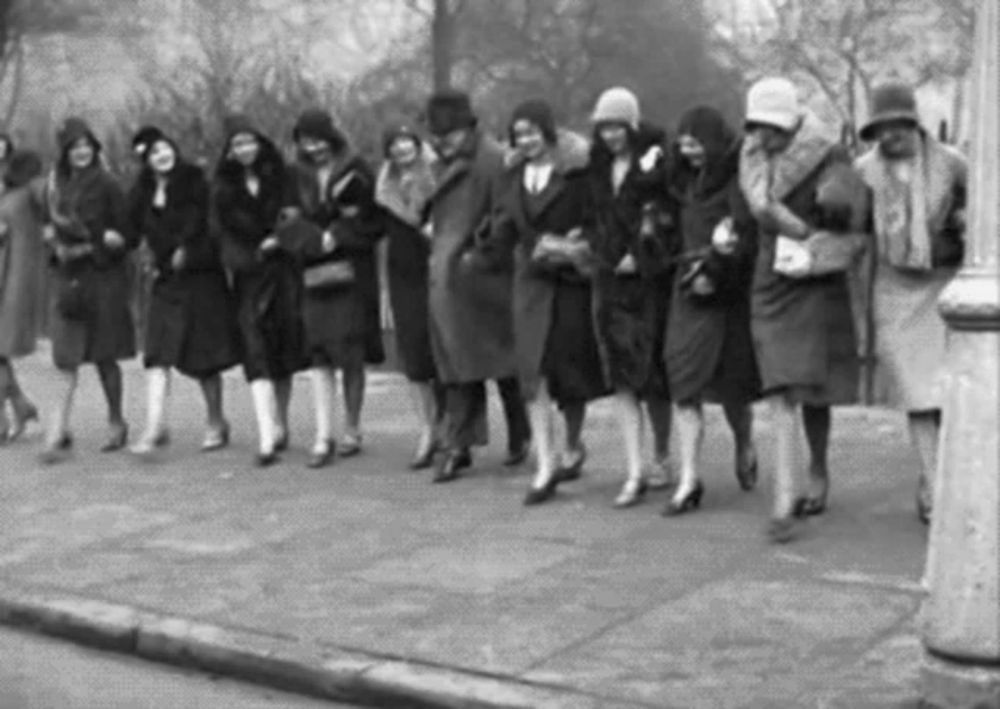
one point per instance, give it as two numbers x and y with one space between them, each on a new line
689 502
424 459
541 495
321 459
451 467
517 455
569 473
266 460
117 438
281 445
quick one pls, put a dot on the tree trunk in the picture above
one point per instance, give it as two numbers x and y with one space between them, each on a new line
443 43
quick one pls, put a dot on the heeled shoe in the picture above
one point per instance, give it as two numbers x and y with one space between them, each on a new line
781 530
574 471
23 415
351 446
266 459
117 438
812 505
630 496
424 458
56 451
281 443
541 495
216 439
322 458
688 503
746 475
150 444
517 454
451 467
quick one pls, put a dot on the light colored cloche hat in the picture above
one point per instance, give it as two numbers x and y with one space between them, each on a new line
774 102
617 105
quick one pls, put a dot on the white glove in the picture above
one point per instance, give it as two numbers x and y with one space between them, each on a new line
792 258
627 266
724 237
648 161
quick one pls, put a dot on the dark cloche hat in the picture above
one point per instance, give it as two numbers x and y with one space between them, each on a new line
893 101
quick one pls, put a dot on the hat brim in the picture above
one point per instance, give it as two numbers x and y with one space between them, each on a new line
869 129
782 121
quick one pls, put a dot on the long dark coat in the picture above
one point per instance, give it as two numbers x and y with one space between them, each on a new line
342 324
98 280
22 260
552 305
471 325
709 349
191 318
631 312
803 329
268 288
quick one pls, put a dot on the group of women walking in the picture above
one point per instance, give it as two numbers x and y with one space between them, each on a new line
663 272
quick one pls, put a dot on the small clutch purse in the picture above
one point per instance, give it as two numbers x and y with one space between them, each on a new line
329 275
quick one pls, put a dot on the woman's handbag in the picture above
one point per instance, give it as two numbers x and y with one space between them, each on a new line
329 275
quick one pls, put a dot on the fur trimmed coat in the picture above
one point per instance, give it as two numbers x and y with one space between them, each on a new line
631 310
343 324
552 303
803 328
191 318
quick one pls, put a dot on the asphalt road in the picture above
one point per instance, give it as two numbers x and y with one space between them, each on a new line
43 673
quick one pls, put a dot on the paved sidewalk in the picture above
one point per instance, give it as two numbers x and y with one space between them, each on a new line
573 603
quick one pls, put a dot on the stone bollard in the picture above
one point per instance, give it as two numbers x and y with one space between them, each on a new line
961 614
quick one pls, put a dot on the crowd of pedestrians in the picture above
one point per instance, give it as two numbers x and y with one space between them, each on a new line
667 271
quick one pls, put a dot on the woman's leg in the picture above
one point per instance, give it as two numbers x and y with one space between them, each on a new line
283 399
324 389
630 419
817 421
739 415
265 404
925 433
6 373
425 407
110 374
24 410
786 425
157 398
690 430
212 391
354 399
58 438
574 414
540 411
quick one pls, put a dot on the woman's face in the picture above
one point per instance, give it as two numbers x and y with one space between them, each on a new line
771 139
528 139
162 157
403 150
316 150
692 151
615 138
245 148
897 139
82 153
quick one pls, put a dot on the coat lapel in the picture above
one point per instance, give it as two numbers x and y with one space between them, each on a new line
449 177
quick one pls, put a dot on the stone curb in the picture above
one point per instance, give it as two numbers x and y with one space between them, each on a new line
283 663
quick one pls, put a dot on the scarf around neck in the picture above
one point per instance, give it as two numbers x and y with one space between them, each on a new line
405 193
910 213
766 180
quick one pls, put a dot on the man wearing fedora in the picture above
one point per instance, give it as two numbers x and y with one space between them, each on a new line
919 192
471 320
